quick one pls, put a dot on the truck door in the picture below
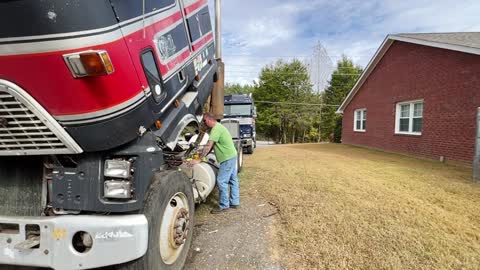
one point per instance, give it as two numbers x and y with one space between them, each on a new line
155 27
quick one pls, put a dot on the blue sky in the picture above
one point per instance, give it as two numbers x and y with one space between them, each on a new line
257 32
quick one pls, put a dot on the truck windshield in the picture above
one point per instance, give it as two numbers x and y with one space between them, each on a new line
238 110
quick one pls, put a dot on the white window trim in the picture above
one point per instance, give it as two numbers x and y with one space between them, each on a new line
362 128
410 126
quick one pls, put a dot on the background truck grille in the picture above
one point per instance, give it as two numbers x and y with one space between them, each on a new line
27 129
233 126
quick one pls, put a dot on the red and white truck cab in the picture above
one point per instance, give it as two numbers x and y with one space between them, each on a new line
97 100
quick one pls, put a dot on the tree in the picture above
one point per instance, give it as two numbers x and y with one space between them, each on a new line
281 84
342 81
235 88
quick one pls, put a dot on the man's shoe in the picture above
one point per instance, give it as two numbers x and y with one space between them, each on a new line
218 210
235 206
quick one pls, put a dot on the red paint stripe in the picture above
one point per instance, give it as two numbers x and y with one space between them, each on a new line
52 85
197 45
162 24
190 9
164 69
46 77
137 43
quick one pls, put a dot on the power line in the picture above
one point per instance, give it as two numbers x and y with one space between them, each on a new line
287 73
292 103
290 56
263 65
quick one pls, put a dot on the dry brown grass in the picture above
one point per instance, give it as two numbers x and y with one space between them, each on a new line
344 207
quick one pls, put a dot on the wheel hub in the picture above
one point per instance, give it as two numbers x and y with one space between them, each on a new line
180 228
174 230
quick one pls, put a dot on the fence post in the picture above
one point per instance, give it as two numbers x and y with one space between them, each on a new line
476 161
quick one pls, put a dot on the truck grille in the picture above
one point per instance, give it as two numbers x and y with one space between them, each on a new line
232 126
27 129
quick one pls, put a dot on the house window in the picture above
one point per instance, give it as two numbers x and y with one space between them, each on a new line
409 118
360 123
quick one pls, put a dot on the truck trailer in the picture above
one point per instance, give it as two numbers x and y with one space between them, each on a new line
98 101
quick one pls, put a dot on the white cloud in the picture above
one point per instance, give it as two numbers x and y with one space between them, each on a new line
258 32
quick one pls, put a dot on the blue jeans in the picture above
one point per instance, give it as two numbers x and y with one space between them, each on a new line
227 177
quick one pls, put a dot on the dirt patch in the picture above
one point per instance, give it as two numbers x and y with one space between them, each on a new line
243 238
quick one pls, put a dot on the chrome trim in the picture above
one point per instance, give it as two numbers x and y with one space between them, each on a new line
185 63
218 28
174 97
66 58
184 20
202 37
195 12
197 84
49 124
76 40
127 234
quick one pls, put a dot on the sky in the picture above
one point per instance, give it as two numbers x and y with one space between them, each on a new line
258 32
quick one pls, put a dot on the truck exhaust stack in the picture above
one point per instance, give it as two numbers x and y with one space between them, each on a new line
217 107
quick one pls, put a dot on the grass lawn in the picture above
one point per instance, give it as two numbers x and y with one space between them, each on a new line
344 207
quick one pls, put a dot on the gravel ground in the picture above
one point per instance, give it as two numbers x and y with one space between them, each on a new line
241 238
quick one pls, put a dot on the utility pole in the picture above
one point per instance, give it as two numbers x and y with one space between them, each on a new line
476 161
320 125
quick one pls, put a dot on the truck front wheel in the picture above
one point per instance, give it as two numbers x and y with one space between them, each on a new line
169 208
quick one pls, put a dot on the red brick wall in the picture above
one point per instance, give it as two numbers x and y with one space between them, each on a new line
449 83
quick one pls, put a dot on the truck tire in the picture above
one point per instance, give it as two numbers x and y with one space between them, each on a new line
250 149
169 200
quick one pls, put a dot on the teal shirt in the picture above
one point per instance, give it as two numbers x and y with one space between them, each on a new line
224 147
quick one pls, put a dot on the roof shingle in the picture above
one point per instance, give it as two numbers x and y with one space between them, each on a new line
467 39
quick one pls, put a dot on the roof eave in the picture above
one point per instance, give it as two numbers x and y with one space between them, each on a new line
366 72
384 48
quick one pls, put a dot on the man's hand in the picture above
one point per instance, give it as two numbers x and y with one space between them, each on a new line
193 162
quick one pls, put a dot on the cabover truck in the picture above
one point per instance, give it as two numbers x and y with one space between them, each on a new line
98 101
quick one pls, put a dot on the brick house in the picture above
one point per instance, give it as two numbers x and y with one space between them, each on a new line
419 95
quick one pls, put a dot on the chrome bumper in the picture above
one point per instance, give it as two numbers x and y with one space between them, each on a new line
116 239
247 142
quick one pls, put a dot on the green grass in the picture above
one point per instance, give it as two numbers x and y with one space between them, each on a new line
344 207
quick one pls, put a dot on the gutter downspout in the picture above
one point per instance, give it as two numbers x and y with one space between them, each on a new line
476 160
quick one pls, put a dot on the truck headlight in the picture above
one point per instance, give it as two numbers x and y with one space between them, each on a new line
118 189
118 169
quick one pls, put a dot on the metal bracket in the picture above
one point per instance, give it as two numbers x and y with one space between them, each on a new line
30 243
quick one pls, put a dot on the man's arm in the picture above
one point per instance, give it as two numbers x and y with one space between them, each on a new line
207 148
